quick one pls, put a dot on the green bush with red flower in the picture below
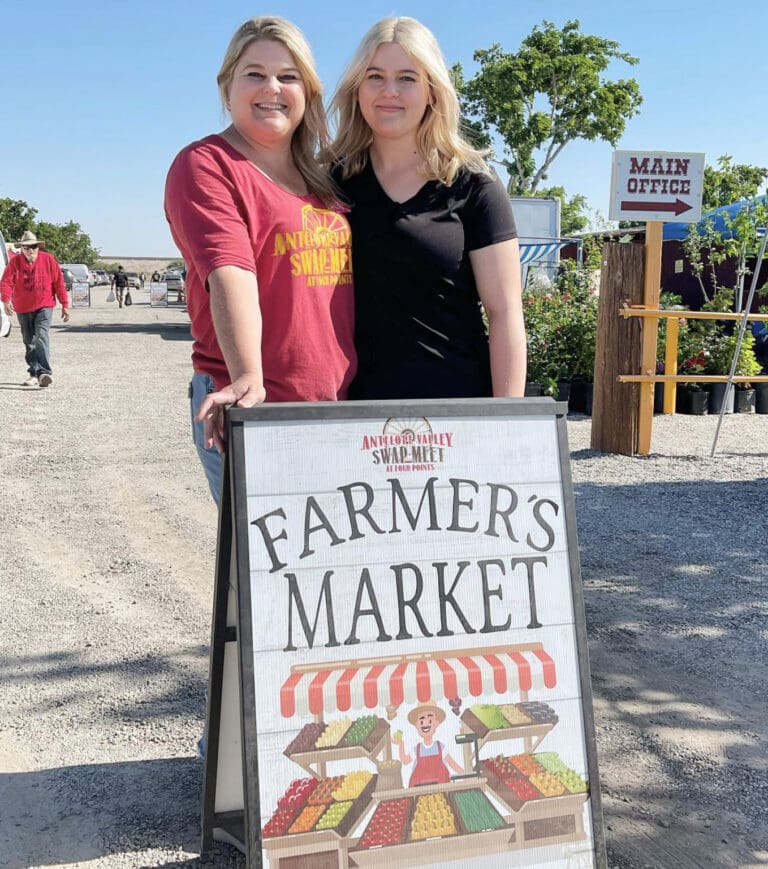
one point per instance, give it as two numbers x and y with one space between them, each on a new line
561 325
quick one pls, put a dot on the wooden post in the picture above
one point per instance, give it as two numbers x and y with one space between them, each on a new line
615 406
651 291
670 364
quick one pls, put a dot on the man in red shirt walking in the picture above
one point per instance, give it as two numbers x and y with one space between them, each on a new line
31 283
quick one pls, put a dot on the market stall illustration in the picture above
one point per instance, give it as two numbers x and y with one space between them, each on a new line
357 805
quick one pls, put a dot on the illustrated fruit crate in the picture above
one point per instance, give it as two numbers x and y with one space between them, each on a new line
533 733
542 820
463 844
315 761
310 849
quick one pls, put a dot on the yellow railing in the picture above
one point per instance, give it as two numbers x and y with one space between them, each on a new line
670 378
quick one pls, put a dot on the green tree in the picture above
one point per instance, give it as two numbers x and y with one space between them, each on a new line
547 94
573 218
707 247
730 182
67 242
16 217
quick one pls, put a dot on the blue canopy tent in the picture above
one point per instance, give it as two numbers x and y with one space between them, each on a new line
674 231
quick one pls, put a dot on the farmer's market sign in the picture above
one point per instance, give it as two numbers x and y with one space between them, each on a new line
400 583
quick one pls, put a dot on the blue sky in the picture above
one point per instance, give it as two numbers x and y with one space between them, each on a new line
99 96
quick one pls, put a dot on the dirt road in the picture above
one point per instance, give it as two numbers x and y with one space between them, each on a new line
107 539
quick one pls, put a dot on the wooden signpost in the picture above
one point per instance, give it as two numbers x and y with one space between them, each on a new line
399 671
654 186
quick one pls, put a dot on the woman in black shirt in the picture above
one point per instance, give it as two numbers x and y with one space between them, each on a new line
432 230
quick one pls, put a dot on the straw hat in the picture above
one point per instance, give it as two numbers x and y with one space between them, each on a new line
429 706
29 239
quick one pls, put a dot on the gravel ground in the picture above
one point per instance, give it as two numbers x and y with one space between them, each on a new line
107 543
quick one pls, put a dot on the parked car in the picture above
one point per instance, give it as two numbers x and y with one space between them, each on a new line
101 276
134 280
81 272
174 281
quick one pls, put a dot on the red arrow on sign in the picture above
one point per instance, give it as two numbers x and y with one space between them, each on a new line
678 206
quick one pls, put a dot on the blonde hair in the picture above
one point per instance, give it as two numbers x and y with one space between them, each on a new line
438 139
312 133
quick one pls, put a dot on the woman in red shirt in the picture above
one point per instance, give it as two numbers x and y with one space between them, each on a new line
269 276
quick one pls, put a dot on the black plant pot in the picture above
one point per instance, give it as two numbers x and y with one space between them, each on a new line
532 388
581 395
761 397
694 403
716 397
744 401
564 391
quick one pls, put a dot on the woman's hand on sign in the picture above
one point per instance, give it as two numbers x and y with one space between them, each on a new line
246 391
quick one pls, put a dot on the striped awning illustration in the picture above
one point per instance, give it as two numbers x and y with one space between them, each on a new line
534 251
386 682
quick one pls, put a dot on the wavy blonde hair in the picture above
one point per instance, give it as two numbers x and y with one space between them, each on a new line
312 133
438 139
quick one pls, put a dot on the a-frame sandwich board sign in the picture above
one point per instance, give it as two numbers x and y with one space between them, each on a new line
399 671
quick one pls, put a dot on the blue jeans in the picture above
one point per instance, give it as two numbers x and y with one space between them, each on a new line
35 333
211 458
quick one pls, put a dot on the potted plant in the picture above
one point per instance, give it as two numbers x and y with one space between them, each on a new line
691 397
722 351
561 326
692 359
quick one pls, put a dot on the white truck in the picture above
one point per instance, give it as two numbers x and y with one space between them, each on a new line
81 272
5 320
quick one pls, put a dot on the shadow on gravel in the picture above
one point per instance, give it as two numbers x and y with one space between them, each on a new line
674 583
139 704
167 331
81 813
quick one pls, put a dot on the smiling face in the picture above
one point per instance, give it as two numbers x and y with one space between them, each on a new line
266 96
427 723
394 93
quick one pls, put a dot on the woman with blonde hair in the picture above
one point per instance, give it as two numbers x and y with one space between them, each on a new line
432 229
267 247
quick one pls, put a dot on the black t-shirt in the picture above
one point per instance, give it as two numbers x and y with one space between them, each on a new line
419 331
121 280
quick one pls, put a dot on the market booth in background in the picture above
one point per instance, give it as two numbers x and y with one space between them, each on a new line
399 673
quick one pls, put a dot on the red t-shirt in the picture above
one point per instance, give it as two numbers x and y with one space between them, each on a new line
31 287
223 211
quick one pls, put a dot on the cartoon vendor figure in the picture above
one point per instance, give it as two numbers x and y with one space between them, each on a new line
431 762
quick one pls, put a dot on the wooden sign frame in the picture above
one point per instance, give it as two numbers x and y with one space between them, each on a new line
532 833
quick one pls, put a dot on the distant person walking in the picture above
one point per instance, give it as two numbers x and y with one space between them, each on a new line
31 283
142 277
155 277
120 284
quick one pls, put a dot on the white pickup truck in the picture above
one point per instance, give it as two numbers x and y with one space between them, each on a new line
5 320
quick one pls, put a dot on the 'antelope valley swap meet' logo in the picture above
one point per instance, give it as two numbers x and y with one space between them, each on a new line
408 445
